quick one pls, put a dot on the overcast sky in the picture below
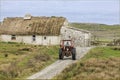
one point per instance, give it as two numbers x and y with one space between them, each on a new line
87 11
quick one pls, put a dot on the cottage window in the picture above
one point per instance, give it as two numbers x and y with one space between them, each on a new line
13 37
34 37
44 38
69 36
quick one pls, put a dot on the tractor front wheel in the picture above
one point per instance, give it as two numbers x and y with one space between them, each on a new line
73 54
60 54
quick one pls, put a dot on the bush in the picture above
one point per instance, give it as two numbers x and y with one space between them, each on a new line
25 49
42 57
12 43
10 71
116 48
6 55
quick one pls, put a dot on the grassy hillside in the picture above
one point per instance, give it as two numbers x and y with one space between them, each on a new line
20 60
100 32
100 63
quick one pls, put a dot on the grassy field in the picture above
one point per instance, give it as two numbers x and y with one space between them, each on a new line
100 63
100 32
20 60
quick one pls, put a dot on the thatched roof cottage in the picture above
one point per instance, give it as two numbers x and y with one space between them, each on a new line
34 30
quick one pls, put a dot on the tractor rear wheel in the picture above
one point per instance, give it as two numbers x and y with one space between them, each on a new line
60 54
73 54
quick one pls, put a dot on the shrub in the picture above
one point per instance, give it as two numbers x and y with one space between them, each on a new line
42 57
25 49
6 55
10 71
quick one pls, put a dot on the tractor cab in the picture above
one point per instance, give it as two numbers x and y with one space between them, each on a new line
65 43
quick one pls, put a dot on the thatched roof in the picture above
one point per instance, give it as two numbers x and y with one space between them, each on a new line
35 25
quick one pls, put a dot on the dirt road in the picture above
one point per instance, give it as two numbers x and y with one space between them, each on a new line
57 67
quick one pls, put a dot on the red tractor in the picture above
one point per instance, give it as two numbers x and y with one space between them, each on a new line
67 49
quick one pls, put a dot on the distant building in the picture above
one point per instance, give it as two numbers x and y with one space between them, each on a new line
27 17
41 31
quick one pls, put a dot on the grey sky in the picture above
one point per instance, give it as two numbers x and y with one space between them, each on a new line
88 11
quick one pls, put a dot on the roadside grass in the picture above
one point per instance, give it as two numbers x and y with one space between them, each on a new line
100 63
18 61
102 53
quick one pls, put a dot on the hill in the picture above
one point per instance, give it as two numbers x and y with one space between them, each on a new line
101 32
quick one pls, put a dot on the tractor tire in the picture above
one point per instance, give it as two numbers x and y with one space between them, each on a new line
73 54
60 54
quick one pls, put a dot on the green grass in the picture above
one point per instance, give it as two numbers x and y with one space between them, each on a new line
24 60
100 63
93 26
102 52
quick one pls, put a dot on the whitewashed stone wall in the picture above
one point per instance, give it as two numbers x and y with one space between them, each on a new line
39 40
80 38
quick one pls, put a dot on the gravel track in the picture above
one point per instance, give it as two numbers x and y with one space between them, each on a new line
58 66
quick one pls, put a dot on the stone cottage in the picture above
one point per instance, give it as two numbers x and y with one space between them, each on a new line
80 37
40 30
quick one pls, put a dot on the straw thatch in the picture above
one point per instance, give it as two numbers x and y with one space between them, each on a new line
35 25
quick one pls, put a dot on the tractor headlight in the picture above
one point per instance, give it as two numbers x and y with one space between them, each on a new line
67 49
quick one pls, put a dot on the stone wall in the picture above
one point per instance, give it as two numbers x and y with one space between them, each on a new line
39 40
80 38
